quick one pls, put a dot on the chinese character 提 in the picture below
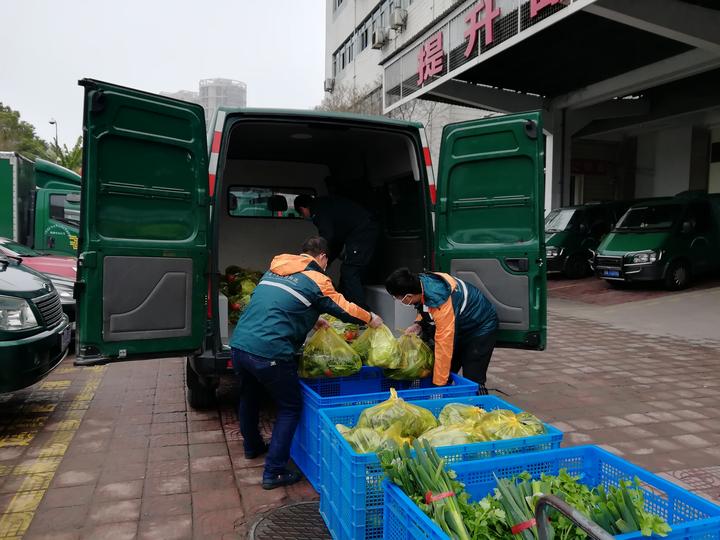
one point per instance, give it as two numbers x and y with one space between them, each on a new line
476 21
430 58
538 5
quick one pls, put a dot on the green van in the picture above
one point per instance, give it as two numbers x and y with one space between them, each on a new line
669 240
160 220
34 332
572 233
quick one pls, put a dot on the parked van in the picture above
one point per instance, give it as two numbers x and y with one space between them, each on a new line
34 332
672 240
572 233
159 220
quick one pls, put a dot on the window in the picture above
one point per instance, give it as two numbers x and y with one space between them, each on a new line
334 66
364 38
660 217
350 52
343 60
267 202
65 209
700 217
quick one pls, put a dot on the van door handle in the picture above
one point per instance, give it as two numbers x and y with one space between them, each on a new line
518 264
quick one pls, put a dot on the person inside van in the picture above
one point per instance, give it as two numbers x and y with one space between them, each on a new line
284 307
352 234
455 315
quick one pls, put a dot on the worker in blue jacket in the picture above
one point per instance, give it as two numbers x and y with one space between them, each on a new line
284 307
463 321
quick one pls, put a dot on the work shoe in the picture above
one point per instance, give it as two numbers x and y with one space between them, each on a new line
252 454
283 479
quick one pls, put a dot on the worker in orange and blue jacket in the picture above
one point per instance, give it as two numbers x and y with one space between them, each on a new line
464 321
283 308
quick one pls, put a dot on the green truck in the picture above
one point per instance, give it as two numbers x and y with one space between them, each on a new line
669 240
39 204
573 232
157 230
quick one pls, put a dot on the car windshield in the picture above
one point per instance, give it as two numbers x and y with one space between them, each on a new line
17 250
562 219
650 217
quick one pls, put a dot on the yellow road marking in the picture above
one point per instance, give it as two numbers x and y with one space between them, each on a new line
19 513
15 524
17 439
40 408
55 385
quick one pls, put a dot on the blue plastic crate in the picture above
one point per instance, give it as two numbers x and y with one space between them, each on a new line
691 517
351 496
367 387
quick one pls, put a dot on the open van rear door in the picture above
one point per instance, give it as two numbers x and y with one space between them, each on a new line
489 219
143 246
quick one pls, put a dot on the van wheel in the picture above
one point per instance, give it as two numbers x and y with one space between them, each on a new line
576 266
677 276
199 395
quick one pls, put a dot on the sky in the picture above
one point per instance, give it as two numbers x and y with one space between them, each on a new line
277 47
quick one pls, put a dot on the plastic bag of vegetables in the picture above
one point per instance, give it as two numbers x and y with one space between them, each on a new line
361 439
378 347
503 424
416 359
448 435
413 420
457 413
348 331
327 355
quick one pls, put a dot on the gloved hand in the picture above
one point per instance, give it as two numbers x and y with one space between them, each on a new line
413 330
375 321
321 323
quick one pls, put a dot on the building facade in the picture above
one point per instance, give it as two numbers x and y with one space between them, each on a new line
214 93
628 90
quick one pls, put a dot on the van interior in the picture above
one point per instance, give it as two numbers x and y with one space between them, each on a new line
269 162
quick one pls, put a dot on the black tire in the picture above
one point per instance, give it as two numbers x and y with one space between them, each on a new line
677 276
576 266
199 395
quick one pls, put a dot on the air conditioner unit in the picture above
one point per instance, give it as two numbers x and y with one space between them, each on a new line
398 18
329 85
380 38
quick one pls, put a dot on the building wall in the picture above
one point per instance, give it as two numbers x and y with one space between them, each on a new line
672 161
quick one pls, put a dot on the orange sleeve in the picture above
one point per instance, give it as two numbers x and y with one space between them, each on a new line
444 318
334 302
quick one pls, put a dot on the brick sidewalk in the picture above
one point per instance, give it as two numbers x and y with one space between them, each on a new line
114 452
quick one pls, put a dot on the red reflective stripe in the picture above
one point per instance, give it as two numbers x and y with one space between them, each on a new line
433 193
216 142
209 302
426 153
211 183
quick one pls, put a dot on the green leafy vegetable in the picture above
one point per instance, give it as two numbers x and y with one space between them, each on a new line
327 355
416 359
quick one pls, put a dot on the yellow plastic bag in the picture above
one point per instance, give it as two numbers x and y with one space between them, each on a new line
413 420
503 424
457 413
449 435
416 358
362 440
327 355
378 347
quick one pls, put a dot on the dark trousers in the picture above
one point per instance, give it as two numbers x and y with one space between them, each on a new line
280 378
473 356
357 256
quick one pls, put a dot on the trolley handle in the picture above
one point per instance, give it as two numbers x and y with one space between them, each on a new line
545 502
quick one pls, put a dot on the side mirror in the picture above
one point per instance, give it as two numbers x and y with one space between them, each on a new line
277 203
687 227
583 228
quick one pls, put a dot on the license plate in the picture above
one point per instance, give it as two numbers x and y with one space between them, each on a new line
611 273
65 339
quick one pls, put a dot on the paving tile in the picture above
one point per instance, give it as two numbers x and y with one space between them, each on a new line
206 501
170 439
114 511
208 481
217 522
133 471
114 531
169 427
166 485
212 463
180 527
208 450
168 453
166 505
172 467
67 496
203 437
131 489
